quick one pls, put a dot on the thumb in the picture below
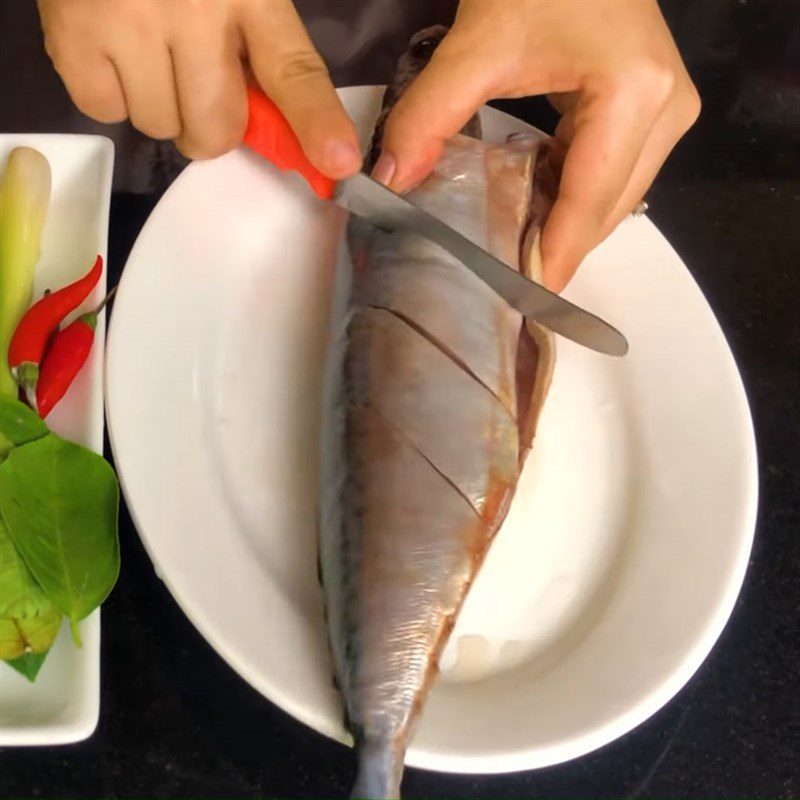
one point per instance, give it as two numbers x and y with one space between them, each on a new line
289 69
437 104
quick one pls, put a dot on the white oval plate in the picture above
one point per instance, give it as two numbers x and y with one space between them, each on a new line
624 551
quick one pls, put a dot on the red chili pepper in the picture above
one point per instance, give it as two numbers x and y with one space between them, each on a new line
64 359
30 339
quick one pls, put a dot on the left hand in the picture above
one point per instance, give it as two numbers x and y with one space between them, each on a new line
609 66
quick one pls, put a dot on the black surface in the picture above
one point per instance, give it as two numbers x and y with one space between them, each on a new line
177 722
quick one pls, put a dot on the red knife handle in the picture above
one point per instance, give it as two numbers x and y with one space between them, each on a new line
270 135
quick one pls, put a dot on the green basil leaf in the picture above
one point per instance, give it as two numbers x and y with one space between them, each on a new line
29 622
18 425
60 501
28 664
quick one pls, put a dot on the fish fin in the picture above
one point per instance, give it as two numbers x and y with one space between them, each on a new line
380 769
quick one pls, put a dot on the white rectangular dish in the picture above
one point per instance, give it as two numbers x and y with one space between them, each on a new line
63 704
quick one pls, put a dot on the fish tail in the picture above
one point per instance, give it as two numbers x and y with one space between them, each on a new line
380 768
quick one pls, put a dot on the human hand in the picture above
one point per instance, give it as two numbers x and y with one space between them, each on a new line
177 70
609 66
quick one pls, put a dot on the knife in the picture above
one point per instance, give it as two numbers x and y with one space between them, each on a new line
270 135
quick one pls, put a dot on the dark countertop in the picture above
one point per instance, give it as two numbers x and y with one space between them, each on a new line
176 721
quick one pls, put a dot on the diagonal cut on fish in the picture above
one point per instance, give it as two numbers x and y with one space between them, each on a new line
433 389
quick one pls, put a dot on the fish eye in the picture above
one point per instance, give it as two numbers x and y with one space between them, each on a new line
425 48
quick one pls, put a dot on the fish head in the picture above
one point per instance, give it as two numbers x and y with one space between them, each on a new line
420 50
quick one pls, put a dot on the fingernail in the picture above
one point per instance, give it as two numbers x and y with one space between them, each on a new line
341 158
384 169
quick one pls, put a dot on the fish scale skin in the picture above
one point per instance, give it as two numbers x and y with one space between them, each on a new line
412 529
389 367
422 281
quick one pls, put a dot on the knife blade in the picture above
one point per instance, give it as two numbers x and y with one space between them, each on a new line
271 136
383 208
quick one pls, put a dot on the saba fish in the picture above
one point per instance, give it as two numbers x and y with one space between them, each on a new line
432 393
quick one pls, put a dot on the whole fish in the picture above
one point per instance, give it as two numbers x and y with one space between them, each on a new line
433 388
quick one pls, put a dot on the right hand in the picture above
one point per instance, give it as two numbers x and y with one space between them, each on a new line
178 70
